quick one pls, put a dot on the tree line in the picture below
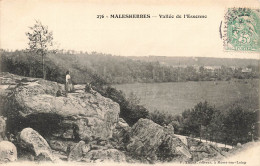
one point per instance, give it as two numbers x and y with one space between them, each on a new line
230 126
113 69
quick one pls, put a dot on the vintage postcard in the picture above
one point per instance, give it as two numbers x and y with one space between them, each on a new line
127 82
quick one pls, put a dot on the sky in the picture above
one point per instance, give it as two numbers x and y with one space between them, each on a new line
75 26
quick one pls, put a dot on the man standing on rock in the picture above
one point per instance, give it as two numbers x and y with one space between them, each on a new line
68 84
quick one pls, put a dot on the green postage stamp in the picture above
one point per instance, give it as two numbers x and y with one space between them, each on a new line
242 29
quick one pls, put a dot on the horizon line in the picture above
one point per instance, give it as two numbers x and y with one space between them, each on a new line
92 52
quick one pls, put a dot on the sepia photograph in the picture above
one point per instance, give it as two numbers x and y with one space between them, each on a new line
85 82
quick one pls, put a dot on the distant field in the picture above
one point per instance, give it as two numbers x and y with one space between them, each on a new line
176 97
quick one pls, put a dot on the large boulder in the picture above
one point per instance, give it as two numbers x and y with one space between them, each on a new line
152 141
8 151
172 148
145 137
80 115
34 142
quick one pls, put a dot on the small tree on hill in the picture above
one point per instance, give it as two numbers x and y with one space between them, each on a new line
40 39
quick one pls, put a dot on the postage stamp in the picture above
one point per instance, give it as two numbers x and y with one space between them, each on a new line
242 29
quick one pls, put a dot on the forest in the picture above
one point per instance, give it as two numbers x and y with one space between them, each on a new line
114 69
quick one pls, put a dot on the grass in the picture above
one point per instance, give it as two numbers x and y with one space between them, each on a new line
176 97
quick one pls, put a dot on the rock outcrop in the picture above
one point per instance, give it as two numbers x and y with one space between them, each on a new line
62 121
8 151
79 116
82 126
152 141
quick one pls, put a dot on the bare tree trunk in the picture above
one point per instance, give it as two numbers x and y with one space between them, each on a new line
206 134
200 132
30 71
43 67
